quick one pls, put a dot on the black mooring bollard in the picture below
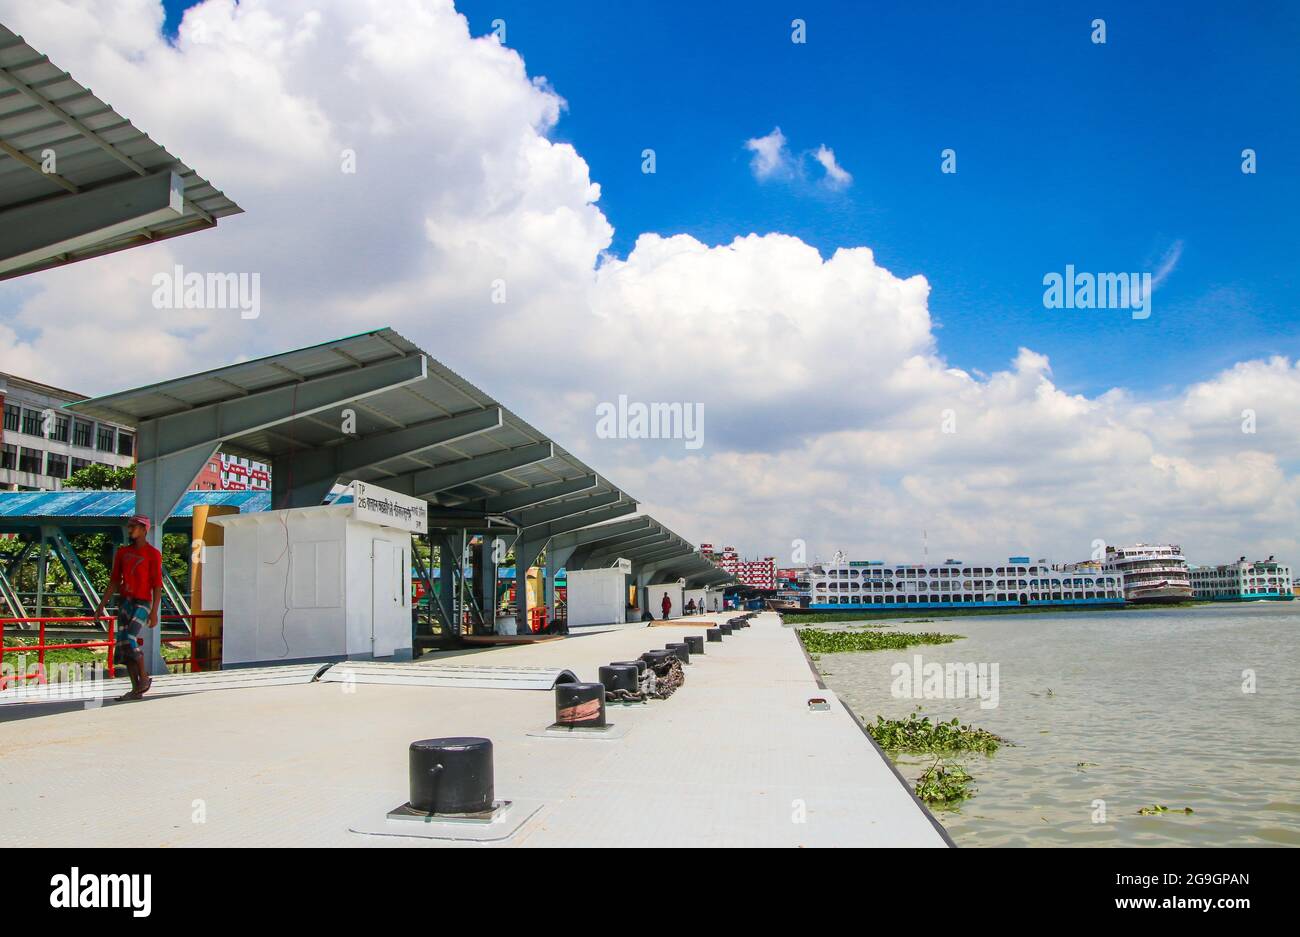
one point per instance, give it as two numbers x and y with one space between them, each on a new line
725 629
639 664
694 643
580 705
713 634
681 649
657 658
619 677
452 775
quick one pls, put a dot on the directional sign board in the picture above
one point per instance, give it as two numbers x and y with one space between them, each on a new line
377 505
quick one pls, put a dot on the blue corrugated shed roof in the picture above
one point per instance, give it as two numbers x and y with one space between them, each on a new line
117 505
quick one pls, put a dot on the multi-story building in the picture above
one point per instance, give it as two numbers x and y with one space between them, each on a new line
41 444
233 473
761 574
1243 581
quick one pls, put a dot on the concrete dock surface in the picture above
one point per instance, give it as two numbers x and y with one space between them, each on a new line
733 758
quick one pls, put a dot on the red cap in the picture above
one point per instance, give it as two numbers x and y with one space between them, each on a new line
141 520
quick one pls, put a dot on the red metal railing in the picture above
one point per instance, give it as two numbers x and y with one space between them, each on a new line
41 647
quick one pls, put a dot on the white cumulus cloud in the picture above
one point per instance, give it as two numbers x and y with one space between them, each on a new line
836 176
771 157
832 413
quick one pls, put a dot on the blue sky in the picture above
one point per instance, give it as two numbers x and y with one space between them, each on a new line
827 417
1068 152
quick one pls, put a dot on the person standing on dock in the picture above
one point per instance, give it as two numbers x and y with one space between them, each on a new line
667 605
137 580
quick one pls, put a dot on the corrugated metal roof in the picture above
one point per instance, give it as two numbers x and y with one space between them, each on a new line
442 392
116 505
43 108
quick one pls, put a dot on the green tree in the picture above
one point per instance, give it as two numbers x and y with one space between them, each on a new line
96 477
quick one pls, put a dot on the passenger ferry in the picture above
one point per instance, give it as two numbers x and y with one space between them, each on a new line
1243 581
872 584
1151 572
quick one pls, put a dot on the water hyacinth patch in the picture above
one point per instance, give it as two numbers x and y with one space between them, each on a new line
921 736
1156 810
818 641
945 785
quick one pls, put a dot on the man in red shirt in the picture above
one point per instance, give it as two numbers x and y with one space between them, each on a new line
137 580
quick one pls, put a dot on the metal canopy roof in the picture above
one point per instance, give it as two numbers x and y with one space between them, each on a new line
550 475
110 188
420 428
648 543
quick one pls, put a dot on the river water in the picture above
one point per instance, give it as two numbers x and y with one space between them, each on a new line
1128 707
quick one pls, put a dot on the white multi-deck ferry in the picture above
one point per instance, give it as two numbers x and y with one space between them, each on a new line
1151 572
872 584
1243 581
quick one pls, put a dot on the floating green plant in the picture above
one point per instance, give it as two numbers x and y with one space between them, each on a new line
818 641
1156 809
921 736
945 785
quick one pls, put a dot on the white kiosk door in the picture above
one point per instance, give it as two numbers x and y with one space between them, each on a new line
386 596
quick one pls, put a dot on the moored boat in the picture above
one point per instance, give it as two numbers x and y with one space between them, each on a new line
1152 573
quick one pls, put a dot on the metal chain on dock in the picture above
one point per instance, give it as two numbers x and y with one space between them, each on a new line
625 696
654 683
668 678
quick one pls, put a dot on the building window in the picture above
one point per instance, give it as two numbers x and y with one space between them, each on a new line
32 422
13 417
79 464
29 460
104 440
56 465
125 444
81 434
60 433
9 457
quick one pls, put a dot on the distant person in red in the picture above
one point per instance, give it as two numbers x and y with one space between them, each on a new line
137 580
667 605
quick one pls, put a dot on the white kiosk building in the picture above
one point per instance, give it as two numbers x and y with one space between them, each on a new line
599 596
655 593
318 584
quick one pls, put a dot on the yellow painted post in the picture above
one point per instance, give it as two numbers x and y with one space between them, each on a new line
207 630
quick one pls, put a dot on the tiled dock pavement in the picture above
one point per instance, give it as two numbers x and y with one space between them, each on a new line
734 758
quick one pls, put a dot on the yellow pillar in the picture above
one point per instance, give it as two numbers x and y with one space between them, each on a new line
207 630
